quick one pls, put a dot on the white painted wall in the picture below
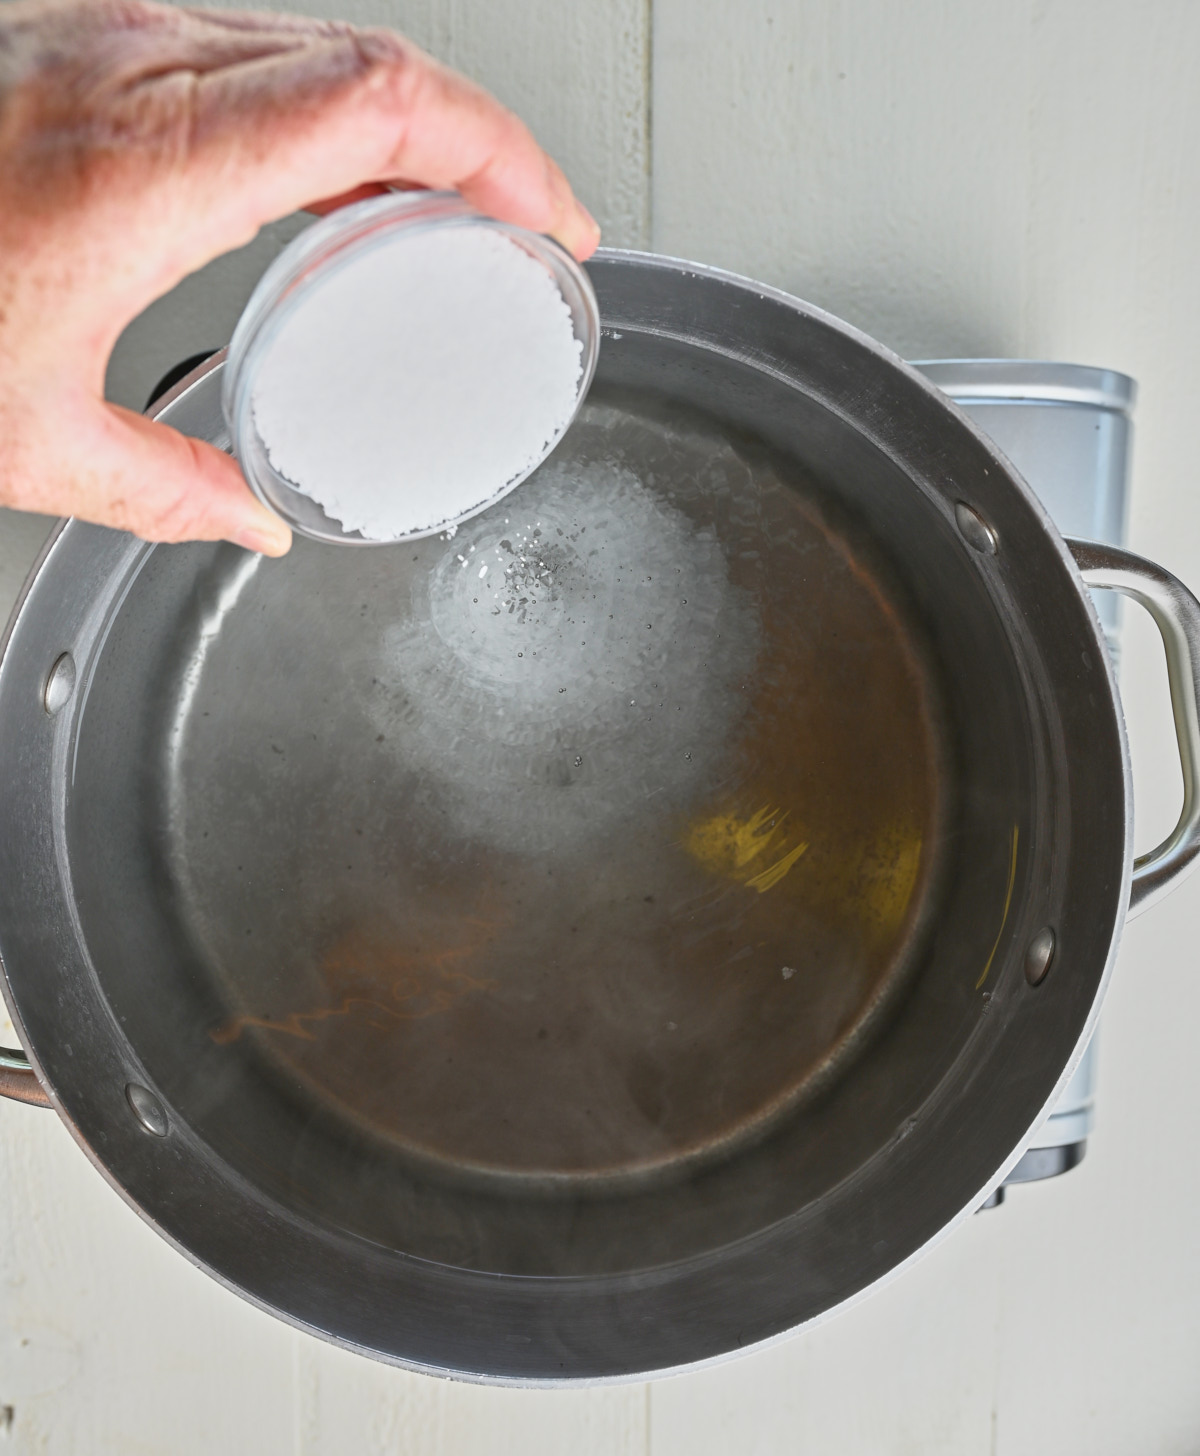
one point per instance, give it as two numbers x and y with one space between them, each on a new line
955 176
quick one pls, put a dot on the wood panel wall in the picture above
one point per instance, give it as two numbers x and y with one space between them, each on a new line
957 177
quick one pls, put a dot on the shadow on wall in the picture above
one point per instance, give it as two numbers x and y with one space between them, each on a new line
918 313
198 315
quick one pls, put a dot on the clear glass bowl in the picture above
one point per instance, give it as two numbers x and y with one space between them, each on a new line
336 242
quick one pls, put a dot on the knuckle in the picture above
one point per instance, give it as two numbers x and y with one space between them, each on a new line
382 48
81 102
391 67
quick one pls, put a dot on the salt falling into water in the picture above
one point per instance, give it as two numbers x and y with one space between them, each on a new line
418 381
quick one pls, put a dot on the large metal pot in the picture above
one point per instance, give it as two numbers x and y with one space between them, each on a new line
617 935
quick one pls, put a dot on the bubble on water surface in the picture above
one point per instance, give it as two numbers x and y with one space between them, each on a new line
477 691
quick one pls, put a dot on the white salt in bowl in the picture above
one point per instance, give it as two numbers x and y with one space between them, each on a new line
343 240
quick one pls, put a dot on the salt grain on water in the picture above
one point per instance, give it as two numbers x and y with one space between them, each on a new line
418 381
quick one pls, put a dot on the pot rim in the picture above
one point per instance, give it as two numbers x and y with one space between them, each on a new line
161 1197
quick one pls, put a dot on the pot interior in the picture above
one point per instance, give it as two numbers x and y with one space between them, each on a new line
637 913
539 899
568 852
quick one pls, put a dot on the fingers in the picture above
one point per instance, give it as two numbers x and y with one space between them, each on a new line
252 116
163 486
82 52
456 135
270 21
322 119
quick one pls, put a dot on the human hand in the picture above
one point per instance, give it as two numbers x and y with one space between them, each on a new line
139 141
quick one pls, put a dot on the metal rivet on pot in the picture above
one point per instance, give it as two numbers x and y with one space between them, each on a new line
1038 956
60 684
147 1109
975 530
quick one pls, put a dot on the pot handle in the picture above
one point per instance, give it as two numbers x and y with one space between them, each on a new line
19 1081
1176 614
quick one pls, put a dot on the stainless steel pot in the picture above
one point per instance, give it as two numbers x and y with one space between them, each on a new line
619 934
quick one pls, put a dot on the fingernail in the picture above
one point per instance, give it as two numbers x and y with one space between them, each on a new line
588 235
267 541
579 233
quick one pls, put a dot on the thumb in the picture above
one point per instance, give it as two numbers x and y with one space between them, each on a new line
161 485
